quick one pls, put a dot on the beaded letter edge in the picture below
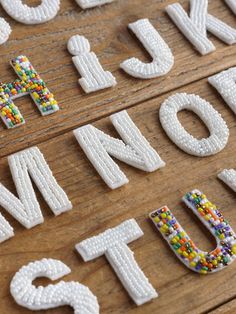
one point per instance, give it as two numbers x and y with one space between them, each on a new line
184 247
34 298
113 243
29 82
5 31
224 83
219 132
134 151
25 14
93 77
87 4
26 209
232 5
163 59
229 178
6 231
195 27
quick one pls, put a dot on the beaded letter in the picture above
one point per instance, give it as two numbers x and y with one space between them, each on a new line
34 298
29 82
21 12
219 132
163 59
94 78
136 151
184 247
26 209
195 26
224 82
5 31
113 243
6 231
229 178
232 5
86 4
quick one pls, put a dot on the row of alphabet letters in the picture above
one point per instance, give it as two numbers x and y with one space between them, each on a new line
113 243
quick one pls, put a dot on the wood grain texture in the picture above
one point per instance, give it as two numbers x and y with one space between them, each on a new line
227 308
106 29
97 208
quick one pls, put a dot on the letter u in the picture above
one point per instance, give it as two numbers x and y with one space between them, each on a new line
183 246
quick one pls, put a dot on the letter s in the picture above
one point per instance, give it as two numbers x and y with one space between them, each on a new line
41 298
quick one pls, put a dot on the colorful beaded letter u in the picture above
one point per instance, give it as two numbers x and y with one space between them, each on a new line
182 244
29 82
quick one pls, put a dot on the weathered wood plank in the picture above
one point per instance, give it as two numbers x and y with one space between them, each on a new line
106 29
96 208
227 308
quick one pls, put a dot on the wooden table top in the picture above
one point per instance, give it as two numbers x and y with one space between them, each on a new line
97 208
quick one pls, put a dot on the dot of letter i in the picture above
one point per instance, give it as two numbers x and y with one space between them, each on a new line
29 82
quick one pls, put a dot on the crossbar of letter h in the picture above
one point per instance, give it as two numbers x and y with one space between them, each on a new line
28 83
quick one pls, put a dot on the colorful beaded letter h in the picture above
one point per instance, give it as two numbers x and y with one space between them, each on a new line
184 247
29 82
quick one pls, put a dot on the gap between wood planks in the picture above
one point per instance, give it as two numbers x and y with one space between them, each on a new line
105 115
228 307
113 43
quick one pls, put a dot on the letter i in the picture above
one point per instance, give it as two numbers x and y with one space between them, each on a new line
94 78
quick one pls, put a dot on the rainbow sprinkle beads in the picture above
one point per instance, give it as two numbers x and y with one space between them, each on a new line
29 82
184 247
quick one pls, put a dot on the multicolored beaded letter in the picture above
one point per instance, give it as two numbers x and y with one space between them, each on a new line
184 247
29 82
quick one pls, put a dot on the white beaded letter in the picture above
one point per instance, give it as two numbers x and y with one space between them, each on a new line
87 4
224 82
26 209
219 132
34 298
6 231
232 5
195 26
113 243
94 78
5 31
25 14
135 150
163 59
229 178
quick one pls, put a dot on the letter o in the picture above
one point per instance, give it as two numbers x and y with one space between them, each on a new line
25 14
219 132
